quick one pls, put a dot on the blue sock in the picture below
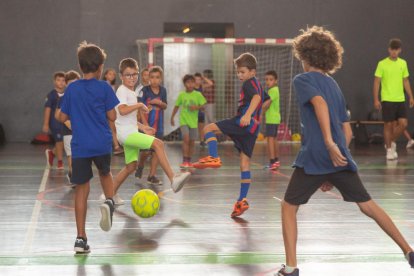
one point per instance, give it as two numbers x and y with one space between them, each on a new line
245 184
211 141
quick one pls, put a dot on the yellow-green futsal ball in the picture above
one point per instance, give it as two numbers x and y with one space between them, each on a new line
145 203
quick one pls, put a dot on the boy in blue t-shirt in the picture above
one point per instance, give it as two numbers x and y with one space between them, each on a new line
242 129
89 103
324 160
51 124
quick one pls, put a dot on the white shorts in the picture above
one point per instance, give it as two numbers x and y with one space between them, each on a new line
66 143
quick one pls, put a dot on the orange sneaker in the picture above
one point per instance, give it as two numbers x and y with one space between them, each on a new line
186 165
239 208
208 162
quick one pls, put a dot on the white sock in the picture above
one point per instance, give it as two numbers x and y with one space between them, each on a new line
289 269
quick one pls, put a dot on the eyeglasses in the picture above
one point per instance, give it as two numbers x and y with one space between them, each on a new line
131 76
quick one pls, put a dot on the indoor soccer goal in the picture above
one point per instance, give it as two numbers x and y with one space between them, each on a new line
180 56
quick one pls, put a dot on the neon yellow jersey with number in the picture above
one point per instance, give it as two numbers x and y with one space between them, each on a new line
392 74
273 112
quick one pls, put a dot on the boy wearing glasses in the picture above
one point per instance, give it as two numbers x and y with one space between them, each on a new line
127 130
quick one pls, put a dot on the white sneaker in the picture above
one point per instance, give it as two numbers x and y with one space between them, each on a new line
410 144
390 154
394 146
179 181
117 199
395 154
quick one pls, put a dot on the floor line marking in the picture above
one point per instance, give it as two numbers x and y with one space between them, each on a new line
31 230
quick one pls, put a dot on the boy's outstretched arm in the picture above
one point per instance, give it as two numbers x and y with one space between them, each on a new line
322 114
245 120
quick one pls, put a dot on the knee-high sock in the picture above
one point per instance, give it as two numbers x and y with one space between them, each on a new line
245 184
211 141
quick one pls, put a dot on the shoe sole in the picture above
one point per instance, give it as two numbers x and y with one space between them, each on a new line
206 166
159 183
239 214
181 184
80 250
105 222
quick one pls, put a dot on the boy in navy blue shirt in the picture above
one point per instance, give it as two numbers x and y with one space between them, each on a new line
242 129
51 124
154 96
324 160
89 103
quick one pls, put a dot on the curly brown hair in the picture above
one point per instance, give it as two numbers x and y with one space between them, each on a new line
319 48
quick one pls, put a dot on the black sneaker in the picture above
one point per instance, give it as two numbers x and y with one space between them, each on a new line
410 257
153 180
138 172
282 272
107 211
81 246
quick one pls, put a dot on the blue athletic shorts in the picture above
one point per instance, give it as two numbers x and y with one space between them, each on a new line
244 141
271 130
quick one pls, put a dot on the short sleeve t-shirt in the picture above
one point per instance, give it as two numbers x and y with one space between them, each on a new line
86 102
155 117
250 88
52 100
392 74
185 100
313 156
126 124
273 112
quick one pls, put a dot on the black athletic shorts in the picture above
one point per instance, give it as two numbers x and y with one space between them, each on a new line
392 111
271 130
201 117
302 186
243 140
82 167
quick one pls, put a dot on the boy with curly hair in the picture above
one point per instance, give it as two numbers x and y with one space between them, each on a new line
324 160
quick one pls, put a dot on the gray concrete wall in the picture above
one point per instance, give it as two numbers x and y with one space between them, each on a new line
40 37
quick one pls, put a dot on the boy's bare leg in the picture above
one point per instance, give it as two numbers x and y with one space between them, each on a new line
81 205
107 183
190 148
388 133
276 147
290 232
399 129
154 165
372 210
186 145
70 164
244 162
212 128
142 158
200 131
407 135
59 150
271 147
122 175
158 147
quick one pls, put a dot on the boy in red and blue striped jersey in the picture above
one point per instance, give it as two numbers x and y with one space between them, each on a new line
242 129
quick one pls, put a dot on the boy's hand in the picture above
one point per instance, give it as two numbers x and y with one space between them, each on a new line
245 120
377 105
326 186
172 122
155 102
45 128
337 158
193 107
148 130
142 107
411 101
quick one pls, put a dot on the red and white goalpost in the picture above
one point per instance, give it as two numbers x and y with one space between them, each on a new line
182 55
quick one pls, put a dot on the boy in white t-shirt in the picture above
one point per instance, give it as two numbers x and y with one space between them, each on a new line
127 130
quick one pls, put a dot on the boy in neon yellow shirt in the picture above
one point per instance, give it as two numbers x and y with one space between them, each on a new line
271 108
392 74
190 101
